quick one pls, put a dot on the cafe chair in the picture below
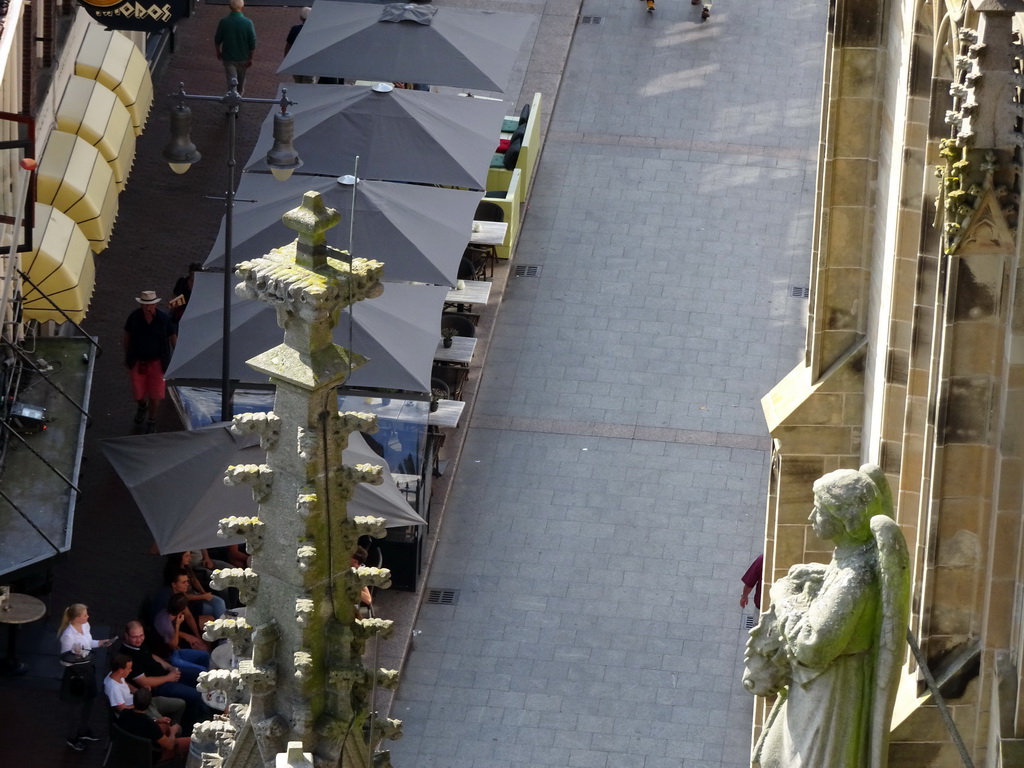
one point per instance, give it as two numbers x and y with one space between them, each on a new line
474 263
127 750
486 211
439 389
462 325
454 376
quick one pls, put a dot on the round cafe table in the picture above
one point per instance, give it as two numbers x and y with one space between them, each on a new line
20 609
222 657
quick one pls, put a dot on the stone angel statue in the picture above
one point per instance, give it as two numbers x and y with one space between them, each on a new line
832 643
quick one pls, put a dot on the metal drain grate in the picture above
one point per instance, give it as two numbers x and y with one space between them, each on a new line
800 292
591 19
442 596
526 270
748 621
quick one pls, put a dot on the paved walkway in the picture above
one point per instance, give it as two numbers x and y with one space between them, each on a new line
612 486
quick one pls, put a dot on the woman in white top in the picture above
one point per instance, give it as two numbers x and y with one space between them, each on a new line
78 687
74 632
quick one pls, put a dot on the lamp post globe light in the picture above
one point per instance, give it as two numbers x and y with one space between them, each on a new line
282 159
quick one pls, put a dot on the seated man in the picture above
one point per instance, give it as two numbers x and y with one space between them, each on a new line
120 693
168 743
160 676
179 629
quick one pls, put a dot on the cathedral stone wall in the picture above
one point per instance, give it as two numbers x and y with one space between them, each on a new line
915 346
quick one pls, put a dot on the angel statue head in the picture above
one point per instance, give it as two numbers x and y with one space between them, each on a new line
846 500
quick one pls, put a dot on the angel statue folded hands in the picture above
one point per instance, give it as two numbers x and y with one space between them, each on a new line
832 643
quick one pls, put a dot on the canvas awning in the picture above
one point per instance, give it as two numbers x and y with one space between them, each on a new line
418 232
461 47
114 61
398 135
94 113
74 178
61 267
397 332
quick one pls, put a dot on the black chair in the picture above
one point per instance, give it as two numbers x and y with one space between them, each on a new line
473 265
454 376
127 750
439 389
486 211
461 324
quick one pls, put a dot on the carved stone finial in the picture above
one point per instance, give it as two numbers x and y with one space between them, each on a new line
266 425
245 580
311 220
237 631
259 476
249 527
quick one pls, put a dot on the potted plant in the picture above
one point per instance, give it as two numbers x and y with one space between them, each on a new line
446 336
436 396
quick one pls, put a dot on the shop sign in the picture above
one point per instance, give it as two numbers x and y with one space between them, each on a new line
136 15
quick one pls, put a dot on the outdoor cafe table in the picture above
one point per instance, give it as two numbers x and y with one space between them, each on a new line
459 353
447 414
472 292
20 609
488 232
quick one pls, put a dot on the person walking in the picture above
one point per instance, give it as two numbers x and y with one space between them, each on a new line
752 582
78 683
289 41
235 41
148 340
705 12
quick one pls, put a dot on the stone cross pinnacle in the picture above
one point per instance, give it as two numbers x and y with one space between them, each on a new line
311 220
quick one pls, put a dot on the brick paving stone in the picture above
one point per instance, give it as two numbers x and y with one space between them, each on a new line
663 309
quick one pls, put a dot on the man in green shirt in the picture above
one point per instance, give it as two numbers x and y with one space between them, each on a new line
235 41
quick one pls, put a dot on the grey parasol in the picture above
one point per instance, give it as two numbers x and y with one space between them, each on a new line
409 43
418 232
177 481
398 135
398 332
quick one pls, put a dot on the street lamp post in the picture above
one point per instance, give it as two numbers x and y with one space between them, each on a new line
282 159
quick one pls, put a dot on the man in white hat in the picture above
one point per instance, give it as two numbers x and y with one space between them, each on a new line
149 337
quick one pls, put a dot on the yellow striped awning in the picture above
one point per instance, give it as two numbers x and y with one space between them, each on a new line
61 267
114 61
95 114
74 178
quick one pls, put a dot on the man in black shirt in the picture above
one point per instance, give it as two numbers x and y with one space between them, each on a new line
163 735
149 337
159 675
289 41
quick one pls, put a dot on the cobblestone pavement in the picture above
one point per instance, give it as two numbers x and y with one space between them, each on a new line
611 489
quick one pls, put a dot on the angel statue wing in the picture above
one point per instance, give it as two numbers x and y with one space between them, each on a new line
894 610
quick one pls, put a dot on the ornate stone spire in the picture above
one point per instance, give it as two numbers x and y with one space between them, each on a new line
300 686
